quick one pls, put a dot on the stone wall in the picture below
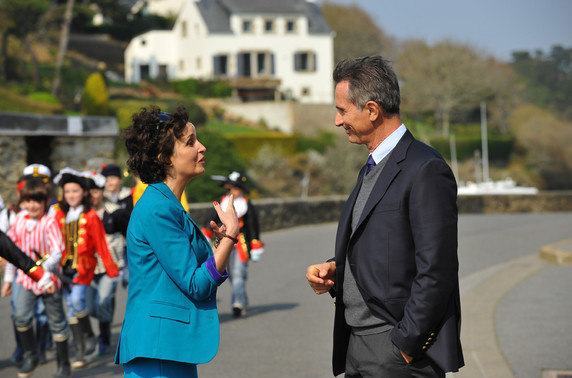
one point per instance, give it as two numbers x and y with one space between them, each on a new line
13 155
83 143
283 213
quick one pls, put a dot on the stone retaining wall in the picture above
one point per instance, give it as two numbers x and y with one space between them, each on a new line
278 213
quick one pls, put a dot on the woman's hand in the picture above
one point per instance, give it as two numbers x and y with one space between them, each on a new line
229 220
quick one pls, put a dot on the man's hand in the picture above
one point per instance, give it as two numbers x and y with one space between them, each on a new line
406 357
321 277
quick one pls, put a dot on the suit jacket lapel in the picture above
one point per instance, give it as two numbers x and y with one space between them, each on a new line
344 226
388 174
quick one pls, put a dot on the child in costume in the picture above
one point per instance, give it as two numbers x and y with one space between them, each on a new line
84 237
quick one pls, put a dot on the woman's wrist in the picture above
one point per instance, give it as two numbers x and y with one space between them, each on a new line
218 240
234 239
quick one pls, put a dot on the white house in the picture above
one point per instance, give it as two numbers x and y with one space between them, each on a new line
266 49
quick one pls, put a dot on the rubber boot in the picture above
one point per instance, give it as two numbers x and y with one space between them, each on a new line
62 356
88 336
30 355
79 343
41 337
18 354
104 337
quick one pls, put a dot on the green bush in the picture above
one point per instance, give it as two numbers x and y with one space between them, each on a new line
95 100
319 143
499 146
248 145
221 158
201 88
197 115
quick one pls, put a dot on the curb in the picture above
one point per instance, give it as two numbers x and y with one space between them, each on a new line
483 292
557 253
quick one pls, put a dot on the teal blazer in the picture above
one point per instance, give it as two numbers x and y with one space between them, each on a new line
171 311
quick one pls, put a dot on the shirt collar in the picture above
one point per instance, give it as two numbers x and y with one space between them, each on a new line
388 144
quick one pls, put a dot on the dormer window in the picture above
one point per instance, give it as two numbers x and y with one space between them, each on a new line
268 26
247 26
291 26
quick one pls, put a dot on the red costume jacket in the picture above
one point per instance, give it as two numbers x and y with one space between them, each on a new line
88 238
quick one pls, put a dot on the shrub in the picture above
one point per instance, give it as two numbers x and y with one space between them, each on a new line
95 100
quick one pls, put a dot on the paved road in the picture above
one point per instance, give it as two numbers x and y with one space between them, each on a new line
516 307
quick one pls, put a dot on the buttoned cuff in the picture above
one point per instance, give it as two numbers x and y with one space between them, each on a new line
211 268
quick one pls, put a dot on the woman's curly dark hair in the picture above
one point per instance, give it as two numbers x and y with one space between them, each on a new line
150 142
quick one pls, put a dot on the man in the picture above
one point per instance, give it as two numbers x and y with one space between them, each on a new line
395 271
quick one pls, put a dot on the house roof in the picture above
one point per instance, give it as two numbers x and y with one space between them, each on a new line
216 13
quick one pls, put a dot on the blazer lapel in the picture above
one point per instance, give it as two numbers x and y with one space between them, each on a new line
388 174
344 225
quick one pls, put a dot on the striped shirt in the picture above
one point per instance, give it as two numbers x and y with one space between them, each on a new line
42 236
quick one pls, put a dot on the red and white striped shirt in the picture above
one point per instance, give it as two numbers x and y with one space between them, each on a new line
43 237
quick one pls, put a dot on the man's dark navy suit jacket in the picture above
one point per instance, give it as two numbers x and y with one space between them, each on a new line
403 255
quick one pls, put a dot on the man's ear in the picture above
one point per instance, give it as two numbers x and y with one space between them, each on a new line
374 110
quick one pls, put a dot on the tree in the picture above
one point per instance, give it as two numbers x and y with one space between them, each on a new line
21 18
442 79
548 78
543 141
64 40
356 33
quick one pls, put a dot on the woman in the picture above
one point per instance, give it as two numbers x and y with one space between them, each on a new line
174 272
85 237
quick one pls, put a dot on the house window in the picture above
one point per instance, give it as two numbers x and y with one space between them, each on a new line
247 26
243 61
262 63
220 65
198 63
162 72
304 61
182 65
291 26
144 71
184 29
268 26
255 64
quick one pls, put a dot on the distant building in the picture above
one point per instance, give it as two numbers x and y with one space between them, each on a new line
265 49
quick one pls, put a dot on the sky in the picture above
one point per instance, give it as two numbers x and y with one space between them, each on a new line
497 27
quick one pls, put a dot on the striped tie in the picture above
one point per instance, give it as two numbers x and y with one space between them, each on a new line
370 164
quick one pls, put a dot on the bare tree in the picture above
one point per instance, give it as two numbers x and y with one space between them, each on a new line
356 33
441 79
64 39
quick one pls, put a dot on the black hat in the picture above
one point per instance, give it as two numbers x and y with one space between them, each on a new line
236 179
111 170
67 175
94 180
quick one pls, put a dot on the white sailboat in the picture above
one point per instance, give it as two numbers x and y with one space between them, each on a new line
488 186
